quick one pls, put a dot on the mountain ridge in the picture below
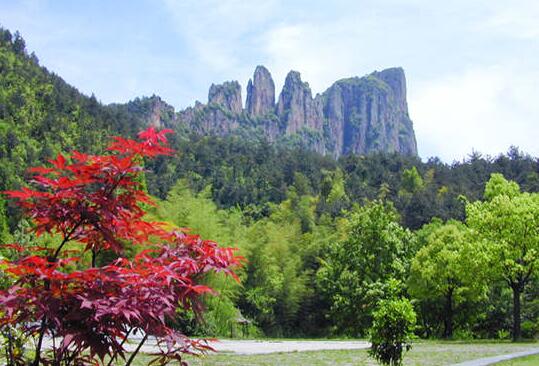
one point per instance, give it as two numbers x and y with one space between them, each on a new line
357 115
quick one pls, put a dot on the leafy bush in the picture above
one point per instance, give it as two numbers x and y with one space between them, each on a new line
529 329
503 334
392 331
463 335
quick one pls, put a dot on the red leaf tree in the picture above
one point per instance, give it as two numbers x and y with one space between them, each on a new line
84 316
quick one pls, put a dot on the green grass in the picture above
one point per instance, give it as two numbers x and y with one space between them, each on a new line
523 361
423 354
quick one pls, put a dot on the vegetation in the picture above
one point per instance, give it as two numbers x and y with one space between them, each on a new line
392 331
357 273
509 222
92 203
521 361
325 241
422 354
447 271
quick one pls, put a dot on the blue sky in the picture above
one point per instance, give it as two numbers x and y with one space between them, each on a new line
472 65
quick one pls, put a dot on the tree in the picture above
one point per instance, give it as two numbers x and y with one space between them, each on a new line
355 271
412 180
509 221
450 267
92 203
4 232
392 331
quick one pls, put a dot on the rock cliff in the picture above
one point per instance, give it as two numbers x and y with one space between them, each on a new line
357 115
260 93
369 114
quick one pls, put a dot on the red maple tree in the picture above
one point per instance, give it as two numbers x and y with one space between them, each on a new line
86 315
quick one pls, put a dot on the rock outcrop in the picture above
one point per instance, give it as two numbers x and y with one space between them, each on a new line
296 108
226 95
369 114
260 93
161 113
357 115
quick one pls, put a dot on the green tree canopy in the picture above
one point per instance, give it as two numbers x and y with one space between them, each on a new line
509 222
4 230
411 180
392 331
448 269
498 185
355 272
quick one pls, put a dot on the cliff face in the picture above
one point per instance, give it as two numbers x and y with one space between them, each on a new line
296 108
227 95
369 114
355 115
260 93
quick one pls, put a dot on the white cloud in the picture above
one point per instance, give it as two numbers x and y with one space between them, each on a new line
312 50
219 30
516 19
482 109
324 52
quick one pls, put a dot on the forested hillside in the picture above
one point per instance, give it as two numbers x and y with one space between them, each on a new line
296 215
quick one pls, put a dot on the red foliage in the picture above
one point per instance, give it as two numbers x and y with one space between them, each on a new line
95 200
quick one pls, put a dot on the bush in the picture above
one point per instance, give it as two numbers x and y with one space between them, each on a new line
529 329
503 334
463 335
392 331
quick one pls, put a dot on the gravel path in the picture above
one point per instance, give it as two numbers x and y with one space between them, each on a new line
262 347
493 360
253 347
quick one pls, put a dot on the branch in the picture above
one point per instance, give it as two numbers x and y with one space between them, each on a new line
66 239
47 284
40 341
113 357
134 354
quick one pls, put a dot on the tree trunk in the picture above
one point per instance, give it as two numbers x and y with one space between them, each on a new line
448 318
516 312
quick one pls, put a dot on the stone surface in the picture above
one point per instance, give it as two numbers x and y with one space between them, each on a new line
496 359
260 93
369 114
296 108
258 347
227 95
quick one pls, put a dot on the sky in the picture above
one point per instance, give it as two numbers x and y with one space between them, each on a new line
472 66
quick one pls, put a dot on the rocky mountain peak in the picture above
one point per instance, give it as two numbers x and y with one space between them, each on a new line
357 115
227 95
395 78
370 114
260 93
296 107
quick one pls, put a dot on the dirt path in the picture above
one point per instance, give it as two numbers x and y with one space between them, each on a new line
252 347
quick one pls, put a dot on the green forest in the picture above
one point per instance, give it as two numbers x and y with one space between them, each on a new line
325 240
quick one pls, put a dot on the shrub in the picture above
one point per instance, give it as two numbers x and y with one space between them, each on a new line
392 331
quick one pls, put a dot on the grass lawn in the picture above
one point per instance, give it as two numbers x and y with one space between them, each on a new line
423 354
524 361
